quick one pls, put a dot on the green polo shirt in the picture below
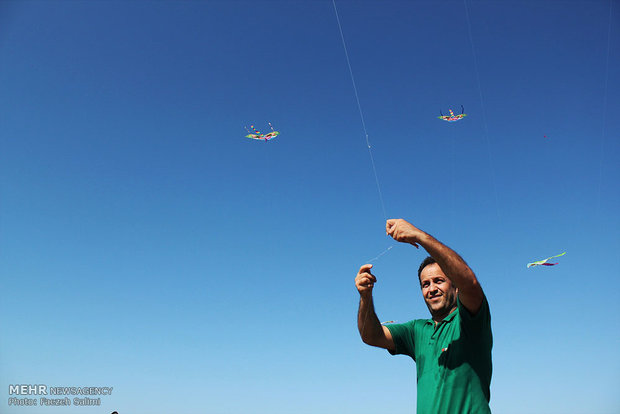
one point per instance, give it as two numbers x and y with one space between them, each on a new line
453 360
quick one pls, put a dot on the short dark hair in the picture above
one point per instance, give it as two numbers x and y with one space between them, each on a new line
428 261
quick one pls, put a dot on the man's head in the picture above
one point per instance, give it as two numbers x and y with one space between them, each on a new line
438 291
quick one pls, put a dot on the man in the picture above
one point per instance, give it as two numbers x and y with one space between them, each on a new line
452 350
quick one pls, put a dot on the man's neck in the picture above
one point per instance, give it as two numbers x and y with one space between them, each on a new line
438 319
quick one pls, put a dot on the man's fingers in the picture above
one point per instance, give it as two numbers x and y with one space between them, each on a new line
370 277
367 283
365 268
364 279
367 278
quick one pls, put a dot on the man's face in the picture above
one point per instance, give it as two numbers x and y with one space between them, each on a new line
439 293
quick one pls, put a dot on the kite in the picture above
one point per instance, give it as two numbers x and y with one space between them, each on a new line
544 262
262 137
452 117
386 322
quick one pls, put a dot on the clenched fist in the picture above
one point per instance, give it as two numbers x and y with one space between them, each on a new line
365 281
403 231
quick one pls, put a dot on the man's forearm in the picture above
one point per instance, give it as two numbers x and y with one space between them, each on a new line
367 322
450 262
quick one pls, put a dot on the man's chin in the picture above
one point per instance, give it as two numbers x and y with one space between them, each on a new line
436 306
438 309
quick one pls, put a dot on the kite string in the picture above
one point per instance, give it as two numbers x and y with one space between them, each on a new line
600 172
359 107
372 160
379 255
484 120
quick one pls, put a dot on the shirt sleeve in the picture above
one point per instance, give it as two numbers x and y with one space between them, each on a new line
404 338
478 325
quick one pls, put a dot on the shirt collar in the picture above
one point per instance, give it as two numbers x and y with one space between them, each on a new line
447 319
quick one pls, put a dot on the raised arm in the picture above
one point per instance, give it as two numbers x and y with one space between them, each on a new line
371 330
454 267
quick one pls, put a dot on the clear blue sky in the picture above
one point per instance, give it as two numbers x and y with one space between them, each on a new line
147 245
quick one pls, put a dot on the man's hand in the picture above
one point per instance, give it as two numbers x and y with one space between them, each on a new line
371 330
365 281
403 231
